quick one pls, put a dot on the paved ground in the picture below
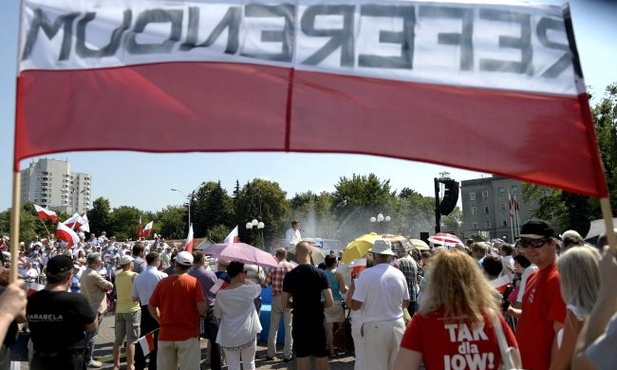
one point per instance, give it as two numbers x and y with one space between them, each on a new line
104 343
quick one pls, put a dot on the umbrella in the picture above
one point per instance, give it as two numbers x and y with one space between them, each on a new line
419 244
316 255
445 239
241 252
359 247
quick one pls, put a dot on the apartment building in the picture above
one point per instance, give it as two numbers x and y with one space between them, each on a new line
50 183
486 207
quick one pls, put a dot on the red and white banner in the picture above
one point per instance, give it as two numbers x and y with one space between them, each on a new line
188 246
45 214
220 284
75 221
233 236
488 87
147 230
67 234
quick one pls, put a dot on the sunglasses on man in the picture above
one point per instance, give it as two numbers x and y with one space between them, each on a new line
534 243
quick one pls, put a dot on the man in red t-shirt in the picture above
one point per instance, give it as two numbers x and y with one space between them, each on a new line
543 311
177 303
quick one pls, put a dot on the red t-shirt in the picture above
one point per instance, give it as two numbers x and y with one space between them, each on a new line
542 306
177 297
454 345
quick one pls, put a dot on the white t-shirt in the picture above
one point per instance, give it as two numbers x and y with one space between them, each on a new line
292 237
521 289
381 289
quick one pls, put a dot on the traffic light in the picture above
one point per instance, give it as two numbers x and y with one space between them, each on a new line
450 197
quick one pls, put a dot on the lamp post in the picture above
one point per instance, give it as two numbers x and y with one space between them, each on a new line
380 219
258 226
189 200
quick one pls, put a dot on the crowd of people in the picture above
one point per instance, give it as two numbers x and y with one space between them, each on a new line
547 302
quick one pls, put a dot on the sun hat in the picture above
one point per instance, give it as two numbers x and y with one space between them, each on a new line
382 246
184 258
125 260
536 229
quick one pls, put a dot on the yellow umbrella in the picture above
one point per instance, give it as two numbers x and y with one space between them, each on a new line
419 244
359 247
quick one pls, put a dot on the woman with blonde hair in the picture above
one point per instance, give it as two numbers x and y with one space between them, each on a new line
453 329
580 282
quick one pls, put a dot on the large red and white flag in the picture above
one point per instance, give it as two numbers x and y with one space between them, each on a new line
352 76
233 236
188 246
75 221
67 234
146 230
86 226
45 214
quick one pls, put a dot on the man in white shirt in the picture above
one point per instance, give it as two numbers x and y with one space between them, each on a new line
293 237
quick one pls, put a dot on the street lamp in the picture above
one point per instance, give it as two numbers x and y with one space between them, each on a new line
258 226
189 200
380 219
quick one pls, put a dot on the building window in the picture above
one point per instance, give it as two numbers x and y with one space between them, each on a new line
502 206
487 224
487 210
472 196
504 222
474 225
485 194
501 191
474 210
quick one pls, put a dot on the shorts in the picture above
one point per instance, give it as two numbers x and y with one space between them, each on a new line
309 337
335 313
127 324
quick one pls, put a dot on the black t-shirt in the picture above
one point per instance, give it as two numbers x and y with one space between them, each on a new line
305 284
11 334
57 319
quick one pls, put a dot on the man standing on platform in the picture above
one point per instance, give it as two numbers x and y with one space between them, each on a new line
143 286
293 237
177 303
207 279
305 285
95 288
275 278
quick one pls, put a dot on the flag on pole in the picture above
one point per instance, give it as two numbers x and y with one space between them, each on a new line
45 214
86 226
75 221
147 342
147 230
220 284
510 205
67 234
233 236
33 288
188 246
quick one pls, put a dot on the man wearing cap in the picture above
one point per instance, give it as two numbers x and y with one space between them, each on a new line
143 287
381 294
305 285
177 303
95 288
57 320
128 314
543 309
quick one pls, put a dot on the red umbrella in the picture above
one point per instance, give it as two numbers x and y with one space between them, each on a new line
241 252
445 239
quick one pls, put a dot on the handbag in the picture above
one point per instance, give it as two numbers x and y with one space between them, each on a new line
342 336
510 356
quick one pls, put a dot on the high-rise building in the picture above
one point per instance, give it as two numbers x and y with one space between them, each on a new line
50 183
487 207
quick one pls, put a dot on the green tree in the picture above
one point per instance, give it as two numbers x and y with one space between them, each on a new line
99 216
212 206
314 211
170 223
416 213
124 221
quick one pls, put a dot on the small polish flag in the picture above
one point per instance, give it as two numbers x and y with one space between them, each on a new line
189 240
359 264
220 284
501 283
233 236
75 221
147 230
33 288
45 214
147 342
67 234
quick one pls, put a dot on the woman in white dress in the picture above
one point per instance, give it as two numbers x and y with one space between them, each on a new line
239 321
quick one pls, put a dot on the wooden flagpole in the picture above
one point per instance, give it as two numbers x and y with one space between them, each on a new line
607 214
15 215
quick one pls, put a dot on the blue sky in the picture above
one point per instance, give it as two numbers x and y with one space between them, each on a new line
144 180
